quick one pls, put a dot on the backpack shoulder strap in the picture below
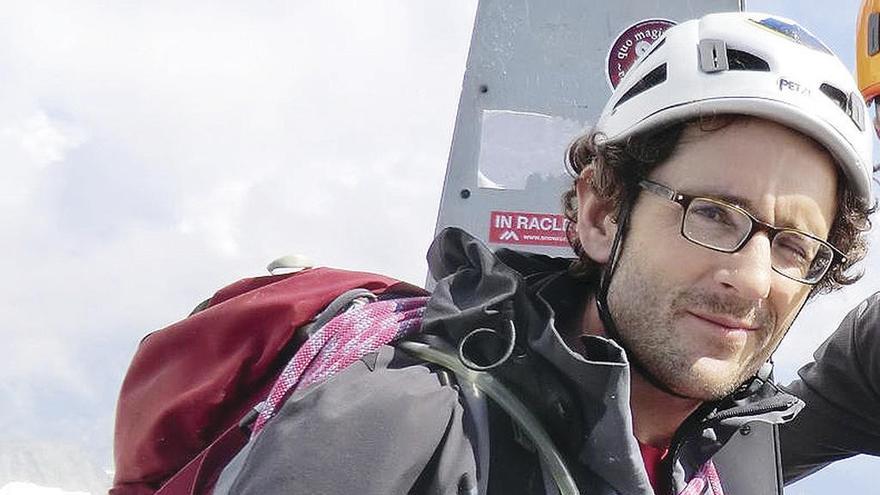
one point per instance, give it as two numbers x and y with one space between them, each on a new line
437 351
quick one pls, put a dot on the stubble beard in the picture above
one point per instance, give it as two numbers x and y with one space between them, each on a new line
645 310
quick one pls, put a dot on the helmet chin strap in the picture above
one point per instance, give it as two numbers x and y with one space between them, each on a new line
602 301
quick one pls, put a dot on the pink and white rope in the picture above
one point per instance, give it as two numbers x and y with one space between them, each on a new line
348 337
707 475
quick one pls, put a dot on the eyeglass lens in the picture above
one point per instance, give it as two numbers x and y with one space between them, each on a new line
719 226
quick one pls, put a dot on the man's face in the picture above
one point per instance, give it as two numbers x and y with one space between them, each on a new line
703 321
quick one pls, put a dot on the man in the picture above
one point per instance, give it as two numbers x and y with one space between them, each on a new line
725 183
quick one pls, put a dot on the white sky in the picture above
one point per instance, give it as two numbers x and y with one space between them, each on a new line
152 152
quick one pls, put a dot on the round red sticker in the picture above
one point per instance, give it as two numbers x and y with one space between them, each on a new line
631 44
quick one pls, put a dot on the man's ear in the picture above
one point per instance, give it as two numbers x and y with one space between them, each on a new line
596 226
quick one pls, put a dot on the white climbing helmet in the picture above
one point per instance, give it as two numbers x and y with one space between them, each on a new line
751 64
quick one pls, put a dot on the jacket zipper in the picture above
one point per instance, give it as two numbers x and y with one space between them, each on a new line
691 423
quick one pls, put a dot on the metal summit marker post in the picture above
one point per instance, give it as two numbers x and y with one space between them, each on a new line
538 73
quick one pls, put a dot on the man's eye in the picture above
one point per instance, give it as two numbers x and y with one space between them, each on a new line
712 212
796 250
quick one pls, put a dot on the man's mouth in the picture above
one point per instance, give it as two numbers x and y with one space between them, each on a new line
724 322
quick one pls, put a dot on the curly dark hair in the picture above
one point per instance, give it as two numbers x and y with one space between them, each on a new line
618 168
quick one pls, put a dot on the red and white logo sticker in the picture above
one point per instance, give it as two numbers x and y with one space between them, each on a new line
631 44
536 229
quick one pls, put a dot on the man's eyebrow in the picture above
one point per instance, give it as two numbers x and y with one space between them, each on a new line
747 205
743 203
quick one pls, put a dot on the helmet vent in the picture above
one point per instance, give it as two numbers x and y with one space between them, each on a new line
856 111
837 96
848 103
651 79
740 60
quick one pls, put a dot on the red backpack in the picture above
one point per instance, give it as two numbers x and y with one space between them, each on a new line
189 384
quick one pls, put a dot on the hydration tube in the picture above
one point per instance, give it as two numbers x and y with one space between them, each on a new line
507 400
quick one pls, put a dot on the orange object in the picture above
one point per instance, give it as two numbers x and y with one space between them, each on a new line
868 49
868 56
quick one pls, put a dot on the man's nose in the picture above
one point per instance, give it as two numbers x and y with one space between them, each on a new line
749 271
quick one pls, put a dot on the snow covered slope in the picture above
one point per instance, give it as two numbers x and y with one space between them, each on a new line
49 468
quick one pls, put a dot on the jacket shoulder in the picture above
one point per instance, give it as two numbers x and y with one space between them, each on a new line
384 414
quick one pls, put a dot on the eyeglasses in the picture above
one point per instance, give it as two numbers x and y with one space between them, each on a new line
724 227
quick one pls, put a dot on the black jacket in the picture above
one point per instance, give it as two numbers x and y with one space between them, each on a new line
391 424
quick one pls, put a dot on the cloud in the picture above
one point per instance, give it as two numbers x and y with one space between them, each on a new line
20 488
216 217
29 145
152 154
43 141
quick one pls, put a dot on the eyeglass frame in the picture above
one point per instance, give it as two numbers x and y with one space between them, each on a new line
684 200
